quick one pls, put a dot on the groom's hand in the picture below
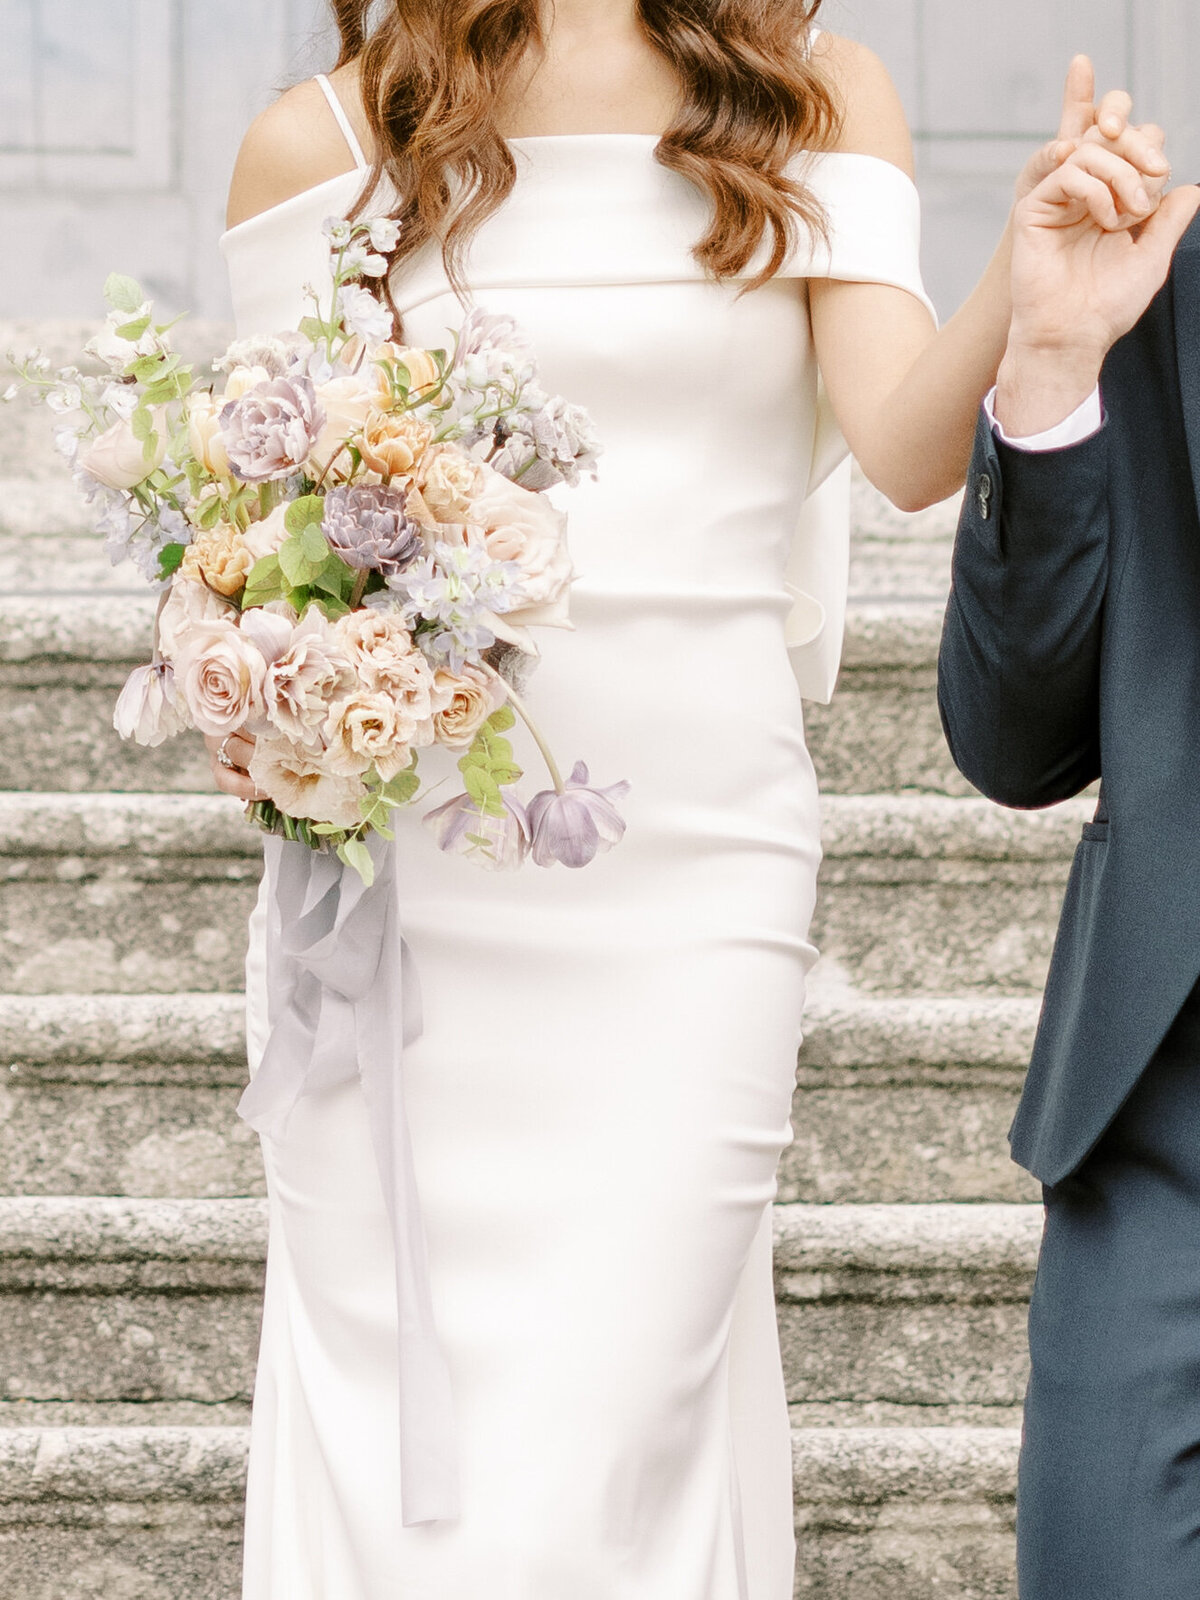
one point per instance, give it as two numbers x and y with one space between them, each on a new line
1092 246
1083 119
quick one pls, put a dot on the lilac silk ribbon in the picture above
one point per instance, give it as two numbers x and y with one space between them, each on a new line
343 1003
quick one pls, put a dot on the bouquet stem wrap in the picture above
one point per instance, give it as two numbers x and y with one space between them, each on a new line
344 1003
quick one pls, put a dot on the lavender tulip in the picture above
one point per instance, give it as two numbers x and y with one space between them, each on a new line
575 826
499 843
369 529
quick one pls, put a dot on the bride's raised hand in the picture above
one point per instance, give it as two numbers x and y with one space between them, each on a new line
1106 123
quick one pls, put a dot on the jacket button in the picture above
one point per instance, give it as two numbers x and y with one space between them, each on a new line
985 491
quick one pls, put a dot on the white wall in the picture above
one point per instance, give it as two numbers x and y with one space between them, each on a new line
119 120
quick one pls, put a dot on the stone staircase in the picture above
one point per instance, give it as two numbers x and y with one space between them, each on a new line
132 1227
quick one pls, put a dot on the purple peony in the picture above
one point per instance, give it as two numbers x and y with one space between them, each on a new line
500 843
369 528
576 825
269 431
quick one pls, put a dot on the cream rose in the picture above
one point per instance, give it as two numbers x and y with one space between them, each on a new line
313 671
204 434
118 459
386 660
449 481
188 604
301 786
345 403
366 729
264 538
219 558
221 674
392 442
240 381
521 525
468 700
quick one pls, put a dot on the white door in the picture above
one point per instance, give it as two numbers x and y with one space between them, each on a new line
119 122
982 83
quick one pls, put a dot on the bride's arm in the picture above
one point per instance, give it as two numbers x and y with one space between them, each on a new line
908 397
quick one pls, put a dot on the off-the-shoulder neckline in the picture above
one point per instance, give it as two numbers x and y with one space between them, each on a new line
517 140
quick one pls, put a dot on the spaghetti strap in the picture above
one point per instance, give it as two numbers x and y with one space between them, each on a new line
343 122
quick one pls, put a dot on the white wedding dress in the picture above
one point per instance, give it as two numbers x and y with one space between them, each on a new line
601 1092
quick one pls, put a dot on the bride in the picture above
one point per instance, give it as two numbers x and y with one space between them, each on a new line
601 1089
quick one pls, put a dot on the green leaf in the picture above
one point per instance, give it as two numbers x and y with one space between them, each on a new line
142 423
169 559
150 448
506 775
299 568
312 543
401 789
308 509
143 368
313 328
502 720
210 513
484 791
122 293
135 329
264 584
355 854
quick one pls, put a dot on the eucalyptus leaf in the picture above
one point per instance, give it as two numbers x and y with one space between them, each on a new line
134 330
122 293
501 720
355 854
308 509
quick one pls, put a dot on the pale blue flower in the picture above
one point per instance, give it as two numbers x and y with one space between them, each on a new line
575 826
450 596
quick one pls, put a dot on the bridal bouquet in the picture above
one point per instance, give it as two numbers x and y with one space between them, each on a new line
352 543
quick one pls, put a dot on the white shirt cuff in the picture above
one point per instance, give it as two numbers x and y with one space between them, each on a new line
1083 422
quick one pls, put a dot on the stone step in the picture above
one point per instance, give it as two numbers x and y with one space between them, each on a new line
896 1100
137 893
127 1513
64 657
884 1311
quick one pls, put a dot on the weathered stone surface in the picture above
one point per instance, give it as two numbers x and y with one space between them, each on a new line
70 1038
929 895
905 1514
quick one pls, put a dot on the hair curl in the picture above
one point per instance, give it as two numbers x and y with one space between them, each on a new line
432 72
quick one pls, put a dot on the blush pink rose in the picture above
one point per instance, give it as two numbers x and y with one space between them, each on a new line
522 526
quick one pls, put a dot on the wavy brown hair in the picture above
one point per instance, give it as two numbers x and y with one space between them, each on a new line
433 71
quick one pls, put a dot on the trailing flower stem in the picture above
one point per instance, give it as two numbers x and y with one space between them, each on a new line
539 738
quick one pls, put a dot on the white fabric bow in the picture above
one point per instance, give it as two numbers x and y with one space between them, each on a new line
344 1003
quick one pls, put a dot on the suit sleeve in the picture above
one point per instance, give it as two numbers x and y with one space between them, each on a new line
1019 667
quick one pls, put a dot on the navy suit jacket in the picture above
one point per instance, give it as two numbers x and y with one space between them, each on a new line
1071 652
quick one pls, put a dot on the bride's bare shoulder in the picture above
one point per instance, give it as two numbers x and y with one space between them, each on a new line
292 146
874 123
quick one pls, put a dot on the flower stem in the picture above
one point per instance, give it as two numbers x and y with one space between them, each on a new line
359 589
539 738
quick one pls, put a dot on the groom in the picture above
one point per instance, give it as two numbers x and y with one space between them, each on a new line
1072 653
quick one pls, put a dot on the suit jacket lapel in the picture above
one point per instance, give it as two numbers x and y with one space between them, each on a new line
1187 338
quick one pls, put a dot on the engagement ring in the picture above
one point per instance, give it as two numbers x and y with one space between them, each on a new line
223 755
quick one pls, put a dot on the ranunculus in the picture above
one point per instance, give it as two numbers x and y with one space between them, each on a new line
150 709
118 459
500 843
218 557
449 480
188 604
468 700
311 673
384 656
263 538
578 824
269 432
204 434
366 729
345 403
521 526
301 786
392 442
221 673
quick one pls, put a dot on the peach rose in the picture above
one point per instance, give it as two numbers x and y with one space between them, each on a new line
345 403
263 538
422 372
384 657
188 603
523 526
117 459
392 442
204 434
468 700
301 786
218 558
449 481
366 729
221 674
